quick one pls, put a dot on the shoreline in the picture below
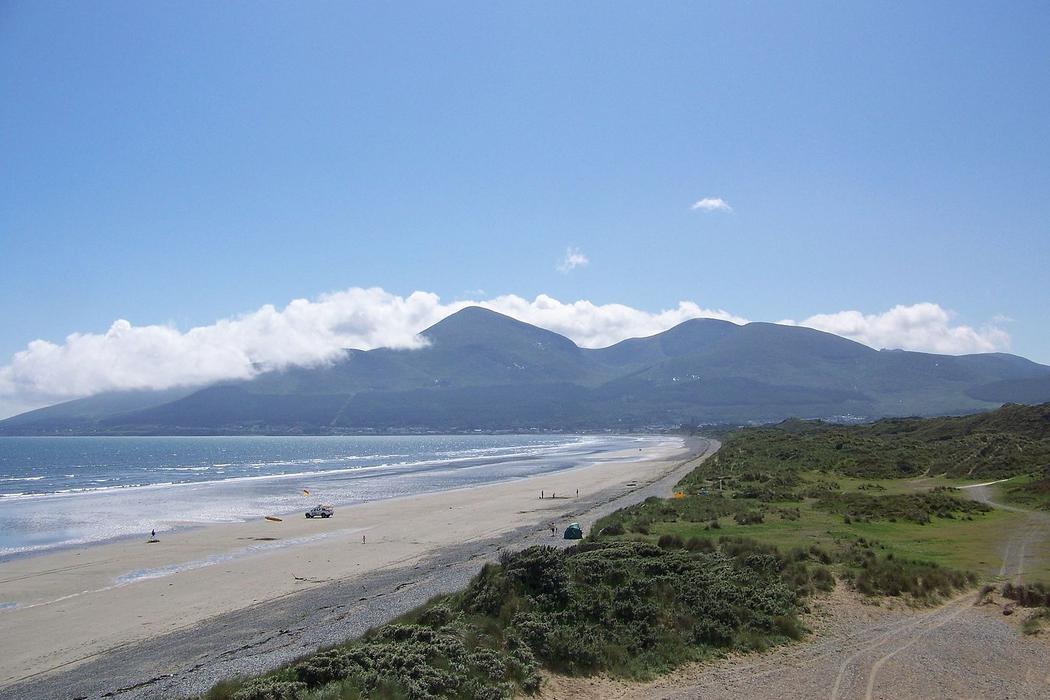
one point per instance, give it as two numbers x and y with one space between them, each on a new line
255 563
174 523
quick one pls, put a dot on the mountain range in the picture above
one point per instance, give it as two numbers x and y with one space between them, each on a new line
481 370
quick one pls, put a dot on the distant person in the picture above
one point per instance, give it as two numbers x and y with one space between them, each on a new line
153 534
541 495
577 493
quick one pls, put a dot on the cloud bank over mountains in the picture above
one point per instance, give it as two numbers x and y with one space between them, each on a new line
311 332
926 327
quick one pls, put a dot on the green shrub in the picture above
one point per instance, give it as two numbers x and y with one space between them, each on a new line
748 518
271 689
915 507
670 542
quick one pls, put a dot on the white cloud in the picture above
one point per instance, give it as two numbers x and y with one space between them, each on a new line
927 327
312 332
574 258
599 325
712 204
304 333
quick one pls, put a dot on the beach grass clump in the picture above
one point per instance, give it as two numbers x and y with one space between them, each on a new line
875 573
1034 623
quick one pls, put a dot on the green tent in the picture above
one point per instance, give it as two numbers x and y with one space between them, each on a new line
574 532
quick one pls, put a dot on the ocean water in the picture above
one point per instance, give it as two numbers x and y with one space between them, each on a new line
65 491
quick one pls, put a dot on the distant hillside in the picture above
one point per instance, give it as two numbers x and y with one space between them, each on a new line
485 371
1010 441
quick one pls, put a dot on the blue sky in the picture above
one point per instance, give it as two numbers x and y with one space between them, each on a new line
179 163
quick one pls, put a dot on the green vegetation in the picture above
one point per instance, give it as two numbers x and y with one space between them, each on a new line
628 608
872 573
1031 490
1011 441
889 482
919 508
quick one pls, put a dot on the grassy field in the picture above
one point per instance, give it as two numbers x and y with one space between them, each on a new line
1027 490
970 545
805 483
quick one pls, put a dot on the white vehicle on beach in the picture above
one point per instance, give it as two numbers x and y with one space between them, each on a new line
320 512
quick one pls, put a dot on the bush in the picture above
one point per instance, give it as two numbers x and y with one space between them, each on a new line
748 518
1029 595
271 689
1033 624
700 544
670 542
915 507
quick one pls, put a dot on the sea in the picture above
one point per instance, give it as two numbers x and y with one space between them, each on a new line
72 491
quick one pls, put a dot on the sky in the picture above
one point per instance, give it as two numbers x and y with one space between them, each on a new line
192 190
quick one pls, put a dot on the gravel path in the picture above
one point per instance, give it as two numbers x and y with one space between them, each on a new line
261 637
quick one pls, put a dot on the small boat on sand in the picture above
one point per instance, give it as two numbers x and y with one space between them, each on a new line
273 519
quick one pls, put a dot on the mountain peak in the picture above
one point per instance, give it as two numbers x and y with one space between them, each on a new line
475 325
472 315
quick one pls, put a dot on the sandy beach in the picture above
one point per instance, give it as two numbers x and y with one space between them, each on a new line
75 605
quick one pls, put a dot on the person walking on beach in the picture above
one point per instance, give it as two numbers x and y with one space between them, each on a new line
153 534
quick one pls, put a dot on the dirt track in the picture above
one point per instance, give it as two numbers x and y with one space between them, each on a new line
1019 550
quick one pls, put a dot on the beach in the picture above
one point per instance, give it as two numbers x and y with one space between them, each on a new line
74 607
